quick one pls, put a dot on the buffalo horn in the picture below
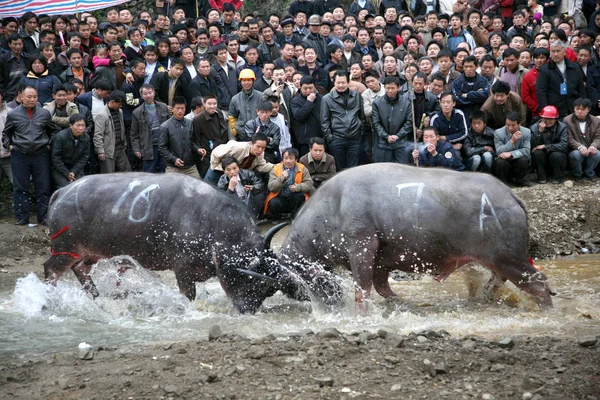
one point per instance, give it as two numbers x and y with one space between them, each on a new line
271 233
257 275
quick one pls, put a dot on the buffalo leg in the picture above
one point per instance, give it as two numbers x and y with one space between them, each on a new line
362 264
82 272
188 276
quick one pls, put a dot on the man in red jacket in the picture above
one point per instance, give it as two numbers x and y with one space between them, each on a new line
540 58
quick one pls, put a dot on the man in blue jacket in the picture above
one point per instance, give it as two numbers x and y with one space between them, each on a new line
470 89
437 153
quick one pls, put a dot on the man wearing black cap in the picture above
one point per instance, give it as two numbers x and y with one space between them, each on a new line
288 36
316 41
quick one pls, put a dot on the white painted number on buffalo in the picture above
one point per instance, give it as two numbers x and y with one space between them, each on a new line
486 212
143 196
420 186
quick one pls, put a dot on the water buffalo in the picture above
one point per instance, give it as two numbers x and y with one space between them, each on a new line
382 217
164 222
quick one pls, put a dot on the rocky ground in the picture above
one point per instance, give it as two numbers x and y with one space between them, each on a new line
325 365
309 365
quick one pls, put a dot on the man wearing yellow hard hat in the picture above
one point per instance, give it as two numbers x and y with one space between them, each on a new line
243 105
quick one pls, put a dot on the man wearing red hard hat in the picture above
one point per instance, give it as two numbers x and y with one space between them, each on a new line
549 143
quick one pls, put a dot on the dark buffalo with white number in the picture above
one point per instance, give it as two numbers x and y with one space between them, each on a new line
382 217
164 222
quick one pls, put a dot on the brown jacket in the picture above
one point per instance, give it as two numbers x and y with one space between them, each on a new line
319 171
592 132
497 114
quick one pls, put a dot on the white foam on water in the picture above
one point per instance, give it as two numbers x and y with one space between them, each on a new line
146 307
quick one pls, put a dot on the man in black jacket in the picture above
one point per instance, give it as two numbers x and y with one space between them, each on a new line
167 84
225 77
560 82
70 151
13 66
243 184
201 85
176 143
306 114
27 135
478 148
392 124
342 120
210 131
145 130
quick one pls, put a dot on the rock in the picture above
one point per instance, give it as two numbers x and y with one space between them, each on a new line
214 333
561 370
588 341
87 355
363 338
324 381
487 396
171 389
497 367
391 359
382 333
258 354
537 397
63 383
527 396
506 343
213 377
329 333
468 344
422 339
168 346
429 368
396 387
568 184
395 341
181 351
440 368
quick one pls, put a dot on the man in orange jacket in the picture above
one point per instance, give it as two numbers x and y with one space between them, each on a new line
289 185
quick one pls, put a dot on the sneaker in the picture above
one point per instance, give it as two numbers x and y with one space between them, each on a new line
577 178
542 181
591 178
22 221
557 181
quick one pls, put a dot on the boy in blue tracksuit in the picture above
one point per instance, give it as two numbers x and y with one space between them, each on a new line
450 123
437 153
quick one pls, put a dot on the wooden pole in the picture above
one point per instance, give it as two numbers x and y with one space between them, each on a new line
412 106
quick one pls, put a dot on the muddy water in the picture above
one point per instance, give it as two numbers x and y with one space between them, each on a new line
37 319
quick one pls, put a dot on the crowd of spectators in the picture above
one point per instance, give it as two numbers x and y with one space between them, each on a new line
268 107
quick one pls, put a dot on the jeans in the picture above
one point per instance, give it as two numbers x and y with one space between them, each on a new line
25 166
156 165
481 162
346 152
212 177
583 165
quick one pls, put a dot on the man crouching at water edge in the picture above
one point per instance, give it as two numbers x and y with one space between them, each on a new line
289 186
242 183
249 154
437 153
175 143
